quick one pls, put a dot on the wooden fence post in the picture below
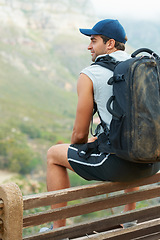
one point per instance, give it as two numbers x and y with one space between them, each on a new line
11 215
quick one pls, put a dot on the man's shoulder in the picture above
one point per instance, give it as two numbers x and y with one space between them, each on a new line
90 68
94 69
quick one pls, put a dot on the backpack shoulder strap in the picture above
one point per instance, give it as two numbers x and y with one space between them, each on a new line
107 62
102 123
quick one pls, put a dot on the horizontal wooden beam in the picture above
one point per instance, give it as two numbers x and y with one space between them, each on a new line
49 198
130 233
97 225
91 206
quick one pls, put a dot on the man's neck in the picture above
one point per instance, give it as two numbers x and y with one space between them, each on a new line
111 51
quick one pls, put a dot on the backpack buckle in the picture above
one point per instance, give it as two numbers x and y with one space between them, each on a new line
119 77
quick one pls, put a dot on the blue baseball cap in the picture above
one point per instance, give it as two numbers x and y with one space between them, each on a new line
108 27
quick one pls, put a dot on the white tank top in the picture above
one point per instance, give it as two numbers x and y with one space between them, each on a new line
102 91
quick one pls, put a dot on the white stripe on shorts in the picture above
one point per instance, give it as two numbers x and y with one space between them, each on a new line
89 164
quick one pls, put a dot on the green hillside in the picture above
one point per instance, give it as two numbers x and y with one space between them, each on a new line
33 107
38 75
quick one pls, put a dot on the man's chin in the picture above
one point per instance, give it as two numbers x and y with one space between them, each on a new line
93 59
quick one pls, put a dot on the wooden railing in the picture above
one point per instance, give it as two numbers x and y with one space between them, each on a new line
13 205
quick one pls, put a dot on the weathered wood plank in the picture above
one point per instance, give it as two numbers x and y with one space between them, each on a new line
154 236
91 206
130 233
49 198
98 225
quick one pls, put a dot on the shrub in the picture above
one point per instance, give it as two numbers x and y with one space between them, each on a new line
15 153
30 130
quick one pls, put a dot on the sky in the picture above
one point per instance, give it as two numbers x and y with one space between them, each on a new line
136 9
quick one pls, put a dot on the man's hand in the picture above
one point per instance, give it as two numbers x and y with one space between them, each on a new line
92 139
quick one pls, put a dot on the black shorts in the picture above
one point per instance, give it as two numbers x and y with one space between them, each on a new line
108 167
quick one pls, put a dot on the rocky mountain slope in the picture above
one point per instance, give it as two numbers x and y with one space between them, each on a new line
41 44
44 26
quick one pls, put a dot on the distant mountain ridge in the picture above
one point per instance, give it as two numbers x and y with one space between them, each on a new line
41 39
39 24
52 17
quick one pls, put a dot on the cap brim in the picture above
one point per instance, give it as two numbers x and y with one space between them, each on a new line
88 32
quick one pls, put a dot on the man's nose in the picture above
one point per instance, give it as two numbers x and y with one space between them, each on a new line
89 46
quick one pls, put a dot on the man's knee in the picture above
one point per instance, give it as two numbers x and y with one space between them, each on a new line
51 153
57 155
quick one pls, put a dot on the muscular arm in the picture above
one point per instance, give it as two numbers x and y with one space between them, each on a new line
84 110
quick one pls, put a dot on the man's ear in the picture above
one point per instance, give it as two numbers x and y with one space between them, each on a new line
110 44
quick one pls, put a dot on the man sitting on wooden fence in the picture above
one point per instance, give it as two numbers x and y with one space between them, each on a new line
107 37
